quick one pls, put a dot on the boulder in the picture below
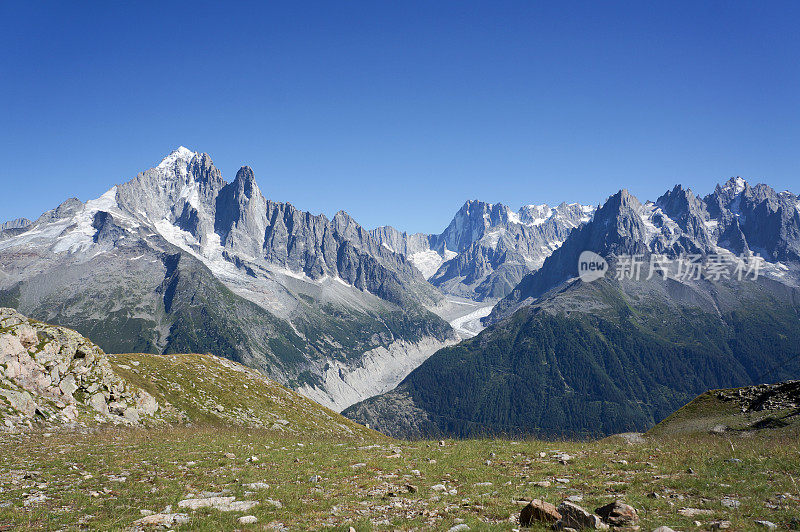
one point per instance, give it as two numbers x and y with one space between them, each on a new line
27 336
20 401
573 516
146 403
618 513
68 385
98 402
538 511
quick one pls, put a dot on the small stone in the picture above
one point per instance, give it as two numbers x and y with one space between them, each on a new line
163 520
34 499
663 529
458 528
230 456
257 486
693 512
538 511
720 525
769 525
439 487
576 498
248 520
223 504
542 484
729 502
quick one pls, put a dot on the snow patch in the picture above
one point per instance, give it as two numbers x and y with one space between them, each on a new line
491 238
427 262
180 154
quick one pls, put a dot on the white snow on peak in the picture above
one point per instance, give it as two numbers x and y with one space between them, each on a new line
179 154
533 215
79 237
737 185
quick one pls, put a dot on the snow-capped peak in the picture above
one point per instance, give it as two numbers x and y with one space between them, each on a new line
534 214
181 153
736 184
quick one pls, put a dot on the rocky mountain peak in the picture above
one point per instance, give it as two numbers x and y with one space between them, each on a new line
245 182
180 155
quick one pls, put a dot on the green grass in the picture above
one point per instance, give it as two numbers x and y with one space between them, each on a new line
164 465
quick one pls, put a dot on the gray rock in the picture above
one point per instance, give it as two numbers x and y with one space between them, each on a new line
769 525
573 516
162 520
729 502
98 403
21 401
618 514
538 511
223 504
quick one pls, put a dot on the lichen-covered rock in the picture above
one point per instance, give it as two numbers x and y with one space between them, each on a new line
52 374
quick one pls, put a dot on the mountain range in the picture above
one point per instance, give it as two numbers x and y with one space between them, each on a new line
179 260
486 327
564 357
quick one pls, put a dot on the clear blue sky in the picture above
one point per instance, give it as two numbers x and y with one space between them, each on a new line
399 112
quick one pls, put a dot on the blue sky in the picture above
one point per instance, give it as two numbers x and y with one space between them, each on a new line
399 112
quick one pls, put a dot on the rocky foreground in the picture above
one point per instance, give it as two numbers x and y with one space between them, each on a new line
229 478
193 442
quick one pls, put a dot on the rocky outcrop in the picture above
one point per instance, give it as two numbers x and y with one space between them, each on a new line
781 396
54 375
17 223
